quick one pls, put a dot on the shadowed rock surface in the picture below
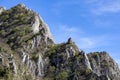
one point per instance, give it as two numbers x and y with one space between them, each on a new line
28 52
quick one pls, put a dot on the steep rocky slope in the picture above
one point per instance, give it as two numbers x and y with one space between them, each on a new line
28 52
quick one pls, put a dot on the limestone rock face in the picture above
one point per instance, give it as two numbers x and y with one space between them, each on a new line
1 9
28 52
103 64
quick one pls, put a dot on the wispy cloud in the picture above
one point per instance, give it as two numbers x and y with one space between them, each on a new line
59 6
103 24
105 6
66 31
86 42
91 1
111 8
66 3
79 36
70 29
91 42
98 7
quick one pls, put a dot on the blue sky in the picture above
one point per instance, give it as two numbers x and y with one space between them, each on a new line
93 24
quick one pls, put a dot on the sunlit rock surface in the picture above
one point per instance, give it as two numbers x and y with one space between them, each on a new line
28 52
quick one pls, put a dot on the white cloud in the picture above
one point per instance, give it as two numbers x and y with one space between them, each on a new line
59 6
103 24
92 42
70 29
86 42
79 36
66 31
102 7
66 3
112 8
97 7
91 1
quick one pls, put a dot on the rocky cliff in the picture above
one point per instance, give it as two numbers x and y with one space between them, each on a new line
28 52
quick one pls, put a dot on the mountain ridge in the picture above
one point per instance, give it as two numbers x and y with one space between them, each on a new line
29 52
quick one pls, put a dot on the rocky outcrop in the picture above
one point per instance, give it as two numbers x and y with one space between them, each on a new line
1 9
35 26
103 64
87 62
28 52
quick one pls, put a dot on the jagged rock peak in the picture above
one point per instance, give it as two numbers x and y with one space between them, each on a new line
28 52
24 22
2 9
21 5
70 41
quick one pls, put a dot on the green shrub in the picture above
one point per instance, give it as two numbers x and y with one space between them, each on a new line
54 49
35 58
0 48
4 71
51 68
62 75
87 71
2 32
16 29
95 54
